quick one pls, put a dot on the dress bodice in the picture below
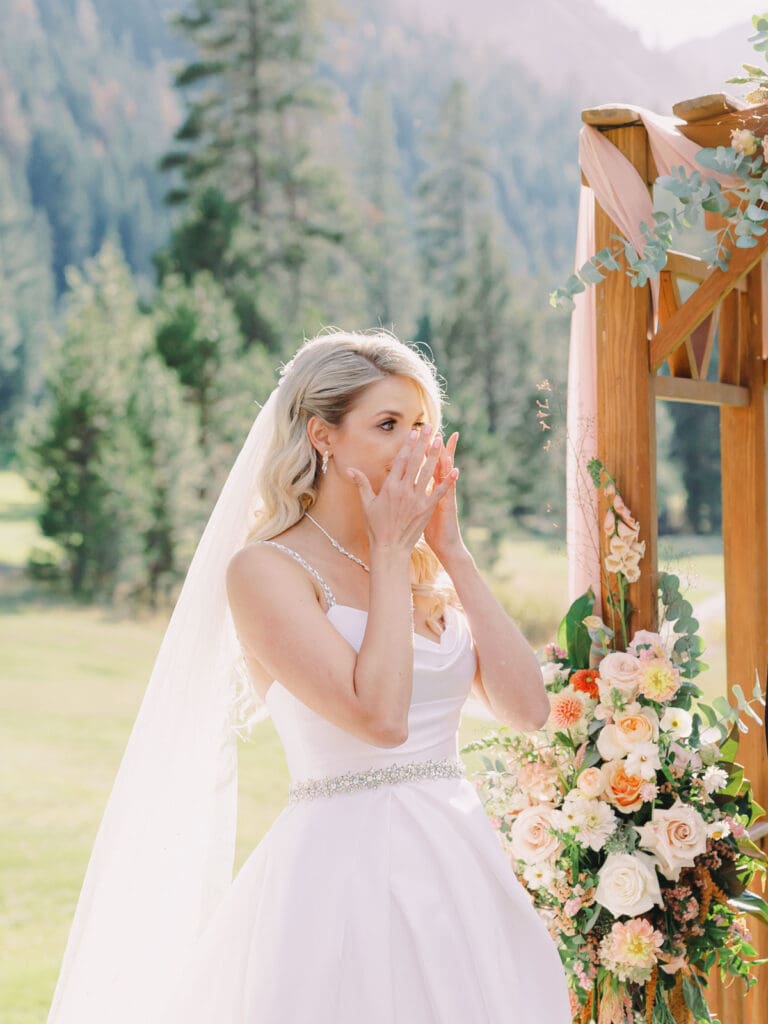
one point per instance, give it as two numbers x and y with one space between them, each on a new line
442 677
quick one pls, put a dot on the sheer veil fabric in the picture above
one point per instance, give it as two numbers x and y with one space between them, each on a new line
164 851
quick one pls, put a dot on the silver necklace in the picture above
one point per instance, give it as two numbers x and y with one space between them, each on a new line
336 543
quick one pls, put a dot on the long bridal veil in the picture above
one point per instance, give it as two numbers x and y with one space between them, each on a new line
164 851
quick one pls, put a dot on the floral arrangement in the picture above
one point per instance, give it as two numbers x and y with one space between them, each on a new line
739 198
626 817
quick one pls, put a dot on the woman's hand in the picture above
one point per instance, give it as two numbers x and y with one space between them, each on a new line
442 532
398 514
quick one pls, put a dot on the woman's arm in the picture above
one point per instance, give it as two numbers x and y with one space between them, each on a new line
508 675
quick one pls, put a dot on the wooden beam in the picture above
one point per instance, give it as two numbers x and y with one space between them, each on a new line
610 116
703 301
711 105
701 392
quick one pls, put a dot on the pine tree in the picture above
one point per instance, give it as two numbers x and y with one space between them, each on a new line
387 255
452 192
109 448
255 109
26 295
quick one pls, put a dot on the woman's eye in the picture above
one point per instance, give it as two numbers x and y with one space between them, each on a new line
384 424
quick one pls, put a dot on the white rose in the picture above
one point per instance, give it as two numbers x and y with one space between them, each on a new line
675 837
628 884
530 837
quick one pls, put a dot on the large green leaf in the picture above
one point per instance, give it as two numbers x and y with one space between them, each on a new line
572 634
750 903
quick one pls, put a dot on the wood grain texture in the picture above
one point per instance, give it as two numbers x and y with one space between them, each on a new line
711 292
626 420
700 392
744 456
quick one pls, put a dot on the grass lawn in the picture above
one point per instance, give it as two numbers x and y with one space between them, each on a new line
72 680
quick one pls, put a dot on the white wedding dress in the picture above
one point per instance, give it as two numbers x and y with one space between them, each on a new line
391 904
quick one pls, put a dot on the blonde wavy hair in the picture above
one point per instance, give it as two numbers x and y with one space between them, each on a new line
325 378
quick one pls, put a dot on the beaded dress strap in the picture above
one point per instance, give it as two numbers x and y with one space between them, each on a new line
330 600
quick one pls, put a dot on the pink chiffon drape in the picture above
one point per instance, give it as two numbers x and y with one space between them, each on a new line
623 194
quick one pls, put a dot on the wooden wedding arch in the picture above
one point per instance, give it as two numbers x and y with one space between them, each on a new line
729 307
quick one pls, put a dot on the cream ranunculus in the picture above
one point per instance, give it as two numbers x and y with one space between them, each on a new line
675 836
530 837
590 782
628 884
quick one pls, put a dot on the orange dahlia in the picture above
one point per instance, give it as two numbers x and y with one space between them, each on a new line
585 679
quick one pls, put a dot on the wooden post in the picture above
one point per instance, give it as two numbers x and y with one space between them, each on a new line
626 412
744 457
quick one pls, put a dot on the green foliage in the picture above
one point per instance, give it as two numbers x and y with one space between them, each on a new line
109 448
572 634
251 136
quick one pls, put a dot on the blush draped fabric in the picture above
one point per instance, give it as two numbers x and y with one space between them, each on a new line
624 195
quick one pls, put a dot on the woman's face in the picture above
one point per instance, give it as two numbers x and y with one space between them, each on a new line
374 431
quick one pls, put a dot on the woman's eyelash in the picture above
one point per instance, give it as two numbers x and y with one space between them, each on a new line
419 423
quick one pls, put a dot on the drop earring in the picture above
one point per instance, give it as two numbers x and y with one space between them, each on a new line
325 461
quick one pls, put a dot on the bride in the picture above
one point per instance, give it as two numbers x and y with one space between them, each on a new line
333 565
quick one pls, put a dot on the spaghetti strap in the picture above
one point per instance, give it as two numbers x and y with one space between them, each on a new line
330 600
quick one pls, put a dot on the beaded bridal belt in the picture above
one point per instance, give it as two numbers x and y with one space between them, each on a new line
406 771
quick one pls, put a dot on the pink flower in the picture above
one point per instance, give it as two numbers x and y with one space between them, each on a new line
631 949
737 828
658 679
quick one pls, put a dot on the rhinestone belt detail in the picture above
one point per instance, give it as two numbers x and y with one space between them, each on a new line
406 771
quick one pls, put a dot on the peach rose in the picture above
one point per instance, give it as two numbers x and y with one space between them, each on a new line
618 671
627 730
621 788
530 837
675 836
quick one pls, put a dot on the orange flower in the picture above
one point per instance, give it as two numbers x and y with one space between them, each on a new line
622 789
585 679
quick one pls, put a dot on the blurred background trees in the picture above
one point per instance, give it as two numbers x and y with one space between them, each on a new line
187 190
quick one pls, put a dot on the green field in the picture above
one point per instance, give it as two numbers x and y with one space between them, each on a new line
72 680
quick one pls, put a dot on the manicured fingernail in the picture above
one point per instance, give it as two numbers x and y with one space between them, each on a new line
414 434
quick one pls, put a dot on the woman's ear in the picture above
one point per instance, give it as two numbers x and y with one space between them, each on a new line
319 434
